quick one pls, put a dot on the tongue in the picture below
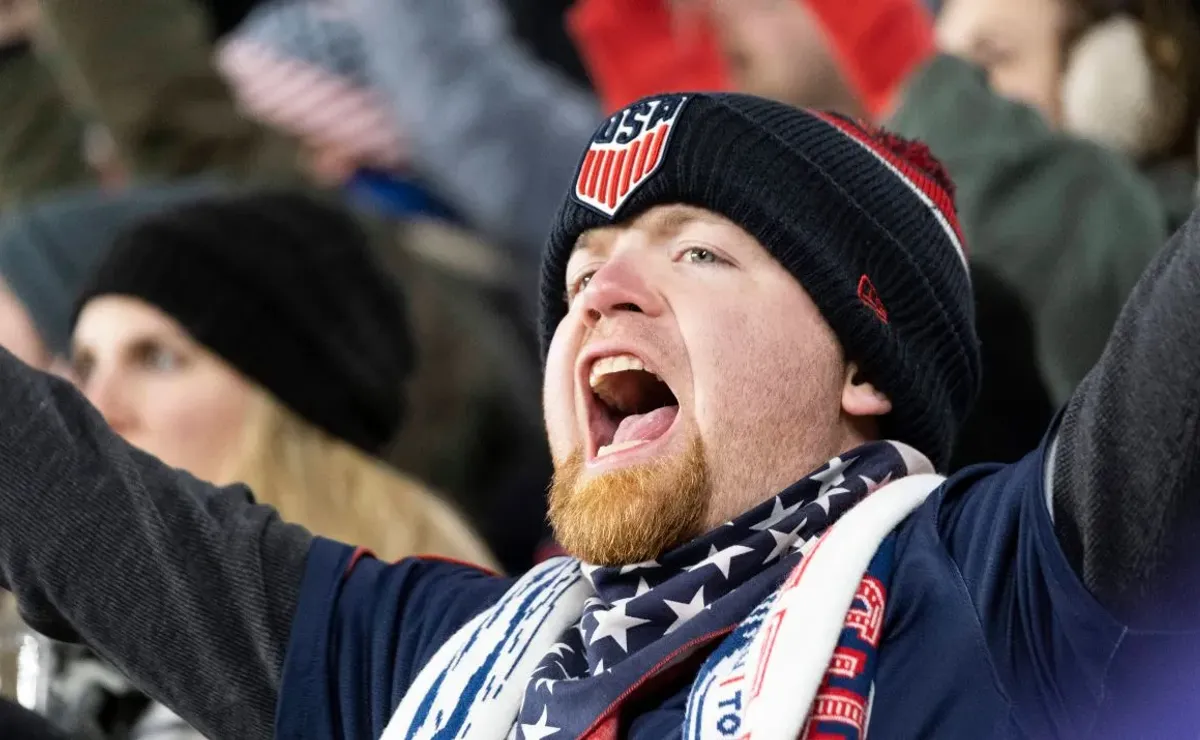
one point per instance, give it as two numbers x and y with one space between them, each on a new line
645 427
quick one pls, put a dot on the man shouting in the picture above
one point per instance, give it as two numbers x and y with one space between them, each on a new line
759 345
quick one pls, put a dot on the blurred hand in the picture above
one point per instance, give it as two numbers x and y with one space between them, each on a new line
17 19
329 164
723 9
683 7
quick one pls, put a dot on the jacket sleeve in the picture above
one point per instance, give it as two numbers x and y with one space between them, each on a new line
186 588
1068 224
631 50
1126 469
143 68
492 129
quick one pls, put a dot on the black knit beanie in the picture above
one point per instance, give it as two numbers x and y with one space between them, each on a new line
285 288
864 220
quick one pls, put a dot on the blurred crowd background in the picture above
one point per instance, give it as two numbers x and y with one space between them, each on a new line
294 243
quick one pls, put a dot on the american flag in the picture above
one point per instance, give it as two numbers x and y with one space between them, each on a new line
301 66
644 617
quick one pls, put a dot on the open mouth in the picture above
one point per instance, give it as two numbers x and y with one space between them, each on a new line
631 406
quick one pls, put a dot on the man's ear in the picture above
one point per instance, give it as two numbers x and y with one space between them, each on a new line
861 398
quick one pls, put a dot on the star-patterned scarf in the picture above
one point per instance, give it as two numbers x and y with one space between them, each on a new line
639 619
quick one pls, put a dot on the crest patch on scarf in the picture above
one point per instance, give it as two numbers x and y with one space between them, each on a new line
625 152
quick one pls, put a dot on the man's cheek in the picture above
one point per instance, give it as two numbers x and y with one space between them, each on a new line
558 398
560 432
558 416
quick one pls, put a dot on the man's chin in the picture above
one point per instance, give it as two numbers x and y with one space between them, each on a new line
633 514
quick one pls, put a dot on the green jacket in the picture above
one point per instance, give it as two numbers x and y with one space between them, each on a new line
41 141
1069 225
143 70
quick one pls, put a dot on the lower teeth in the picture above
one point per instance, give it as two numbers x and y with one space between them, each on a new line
610 449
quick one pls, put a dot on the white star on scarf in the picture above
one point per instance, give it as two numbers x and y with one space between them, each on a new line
642 588
685 610
599 668
784 541
637 566
539 730
550 667
558 648
777 515
614 623
721 558
547 682
832 476
826 498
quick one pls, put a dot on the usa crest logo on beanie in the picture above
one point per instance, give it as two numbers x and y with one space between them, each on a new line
625 152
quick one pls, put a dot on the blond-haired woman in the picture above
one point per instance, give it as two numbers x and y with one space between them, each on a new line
253 338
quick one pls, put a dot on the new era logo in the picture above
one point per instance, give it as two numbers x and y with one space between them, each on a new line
870 298
625 152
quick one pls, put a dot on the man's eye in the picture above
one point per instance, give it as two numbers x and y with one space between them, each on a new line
577 287
699 254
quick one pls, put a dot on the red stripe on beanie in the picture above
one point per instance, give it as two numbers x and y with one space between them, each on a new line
914 162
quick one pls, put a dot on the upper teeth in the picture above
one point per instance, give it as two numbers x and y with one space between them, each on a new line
614 364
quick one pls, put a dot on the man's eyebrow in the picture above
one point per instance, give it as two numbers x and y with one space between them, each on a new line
668 223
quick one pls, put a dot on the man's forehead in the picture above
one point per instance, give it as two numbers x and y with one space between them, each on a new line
659 221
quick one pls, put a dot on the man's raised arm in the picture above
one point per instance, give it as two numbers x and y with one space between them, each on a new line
1126 468
187 588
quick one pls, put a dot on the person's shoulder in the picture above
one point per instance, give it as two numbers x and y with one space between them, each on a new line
427 594
988 490
364 628
977 517
982 552
356 570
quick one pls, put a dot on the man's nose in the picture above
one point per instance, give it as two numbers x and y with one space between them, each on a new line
619 286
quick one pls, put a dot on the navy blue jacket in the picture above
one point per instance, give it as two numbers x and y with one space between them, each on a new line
989 632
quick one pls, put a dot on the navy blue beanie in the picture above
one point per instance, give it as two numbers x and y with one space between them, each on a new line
864 220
